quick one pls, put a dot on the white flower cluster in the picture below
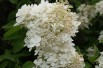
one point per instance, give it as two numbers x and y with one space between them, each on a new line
100 61
50 27
99 7
86 14
101 37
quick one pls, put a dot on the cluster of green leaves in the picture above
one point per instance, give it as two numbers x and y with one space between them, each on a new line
13 54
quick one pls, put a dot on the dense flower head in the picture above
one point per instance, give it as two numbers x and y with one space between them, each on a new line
53 16
86 14
99 7
53 19
50 28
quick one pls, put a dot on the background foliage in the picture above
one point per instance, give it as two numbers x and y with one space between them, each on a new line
14 55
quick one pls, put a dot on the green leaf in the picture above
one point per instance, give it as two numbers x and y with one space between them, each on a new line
23 53
2 58
12 15
28 64
18 45
9 25
87 65
10 64
8 55
77 3
22 2
17 66
3 64
14 1
11 31
78 49
37 1
94 1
